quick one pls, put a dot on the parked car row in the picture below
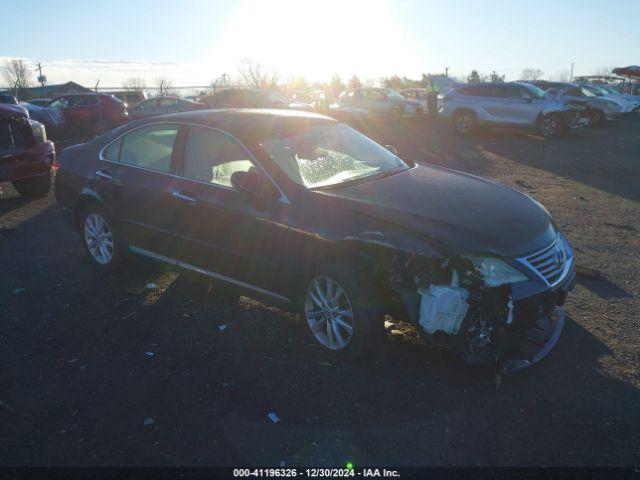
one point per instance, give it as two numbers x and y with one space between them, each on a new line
551 108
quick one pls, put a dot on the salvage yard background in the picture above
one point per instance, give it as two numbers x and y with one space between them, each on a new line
99 370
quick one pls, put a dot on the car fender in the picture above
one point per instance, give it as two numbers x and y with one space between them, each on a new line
87 196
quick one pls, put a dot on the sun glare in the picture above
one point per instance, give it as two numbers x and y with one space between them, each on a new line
317 38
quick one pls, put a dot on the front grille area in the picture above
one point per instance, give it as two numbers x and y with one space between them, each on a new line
550 262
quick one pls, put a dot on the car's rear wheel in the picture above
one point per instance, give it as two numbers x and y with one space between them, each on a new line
99 238
464 121
33 187
550 125
341 314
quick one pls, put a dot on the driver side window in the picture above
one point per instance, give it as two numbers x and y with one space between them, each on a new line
211 156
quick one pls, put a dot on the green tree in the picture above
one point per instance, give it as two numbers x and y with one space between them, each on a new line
474 76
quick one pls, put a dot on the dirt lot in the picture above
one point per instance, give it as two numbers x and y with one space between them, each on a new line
86 358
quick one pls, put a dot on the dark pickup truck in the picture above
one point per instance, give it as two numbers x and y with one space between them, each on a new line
26 156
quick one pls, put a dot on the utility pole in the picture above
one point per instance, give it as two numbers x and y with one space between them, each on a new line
41 78
446 72
571 72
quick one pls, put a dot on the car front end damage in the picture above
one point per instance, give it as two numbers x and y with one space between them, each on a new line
574 113
503 312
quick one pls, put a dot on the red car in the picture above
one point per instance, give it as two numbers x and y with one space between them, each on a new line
26 156
88 113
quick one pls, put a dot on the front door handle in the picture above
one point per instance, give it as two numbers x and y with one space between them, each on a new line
184 198
104 175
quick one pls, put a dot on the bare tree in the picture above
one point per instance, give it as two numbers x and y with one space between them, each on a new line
219 83
337 86
17 75
602 71
354 82
531 74
134 84
496 77
165 87
256 75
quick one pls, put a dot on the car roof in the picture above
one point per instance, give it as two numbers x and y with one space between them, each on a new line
243 122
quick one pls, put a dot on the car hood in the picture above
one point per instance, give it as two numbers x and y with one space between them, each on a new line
462 212
8 110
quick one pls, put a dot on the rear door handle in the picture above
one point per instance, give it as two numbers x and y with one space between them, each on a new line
184 198
104 175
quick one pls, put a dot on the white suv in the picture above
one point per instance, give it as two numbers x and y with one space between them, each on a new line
512 104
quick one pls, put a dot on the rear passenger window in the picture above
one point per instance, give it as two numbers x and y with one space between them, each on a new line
212 157
149 147
476 91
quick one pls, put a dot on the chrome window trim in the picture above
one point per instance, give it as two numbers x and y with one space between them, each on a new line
282 199
209 273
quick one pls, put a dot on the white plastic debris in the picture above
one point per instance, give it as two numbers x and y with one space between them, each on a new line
273 417
150 286
149 354
443 307
19 290
148 421
222 328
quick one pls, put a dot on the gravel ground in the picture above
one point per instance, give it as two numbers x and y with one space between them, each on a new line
99 371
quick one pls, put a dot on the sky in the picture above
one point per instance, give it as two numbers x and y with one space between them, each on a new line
192 42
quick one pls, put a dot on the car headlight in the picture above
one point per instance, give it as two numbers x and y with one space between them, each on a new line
39 132
496 272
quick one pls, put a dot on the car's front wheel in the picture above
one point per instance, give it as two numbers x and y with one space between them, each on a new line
99 238
464 121
550 125
341 313
33 187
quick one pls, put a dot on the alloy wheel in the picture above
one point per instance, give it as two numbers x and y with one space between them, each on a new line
464 122
548 126
98 238
329 313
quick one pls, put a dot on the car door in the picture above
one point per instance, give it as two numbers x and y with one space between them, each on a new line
217 230
84 111
379 102
488 103
139 168
515 105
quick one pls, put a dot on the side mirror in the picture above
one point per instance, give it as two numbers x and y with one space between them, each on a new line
258 189
392 149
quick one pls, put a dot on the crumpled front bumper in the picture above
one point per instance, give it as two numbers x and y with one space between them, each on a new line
541 337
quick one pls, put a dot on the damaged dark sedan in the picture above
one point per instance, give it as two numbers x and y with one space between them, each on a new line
304 212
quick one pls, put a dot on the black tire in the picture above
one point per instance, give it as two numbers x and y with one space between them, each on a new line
596 118
464 122
368 318
118 251
33 187
550 125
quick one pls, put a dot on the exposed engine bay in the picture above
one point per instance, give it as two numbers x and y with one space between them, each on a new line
452 305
